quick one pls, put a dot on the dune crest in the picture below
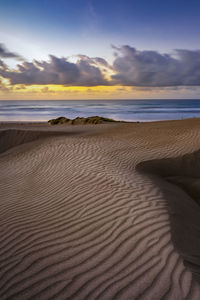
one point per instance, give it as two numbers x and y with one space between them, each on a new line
14 137
184 173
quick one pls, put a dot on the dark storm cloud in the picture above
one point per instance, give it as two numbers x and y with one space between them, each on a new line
56 71
4 53
153 69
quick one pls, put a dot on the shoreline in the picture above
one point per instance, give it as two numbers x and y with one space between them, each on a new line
117 121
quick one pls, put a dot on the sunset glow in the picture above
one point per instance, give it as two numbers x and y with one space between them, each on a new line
99 50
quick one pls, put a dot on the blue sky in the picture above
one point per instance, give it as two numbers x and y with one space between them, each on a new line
65 28
89 27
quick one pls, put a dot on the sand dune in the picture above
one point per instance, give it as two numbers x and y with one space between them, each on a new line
79 220
184 210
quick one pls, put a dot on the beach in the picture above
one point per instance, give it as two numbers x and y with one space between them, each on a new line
99 211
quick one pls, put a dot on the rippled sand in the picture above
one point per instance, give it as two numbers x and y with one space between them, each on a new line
90 212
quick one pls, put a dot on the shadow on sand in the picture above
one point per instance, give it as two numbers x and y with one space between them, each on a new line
179 180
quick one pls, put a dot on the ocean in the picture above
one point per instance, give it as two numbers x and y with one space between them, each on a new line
128 110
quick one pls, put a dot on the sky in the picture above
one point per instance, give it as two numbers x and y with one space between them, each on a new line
91 49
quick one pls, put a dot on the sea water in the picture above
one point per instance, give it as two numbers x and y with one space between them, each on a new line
128 110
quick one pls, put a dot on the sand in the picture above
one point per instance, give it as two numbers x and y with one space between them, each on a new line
95 212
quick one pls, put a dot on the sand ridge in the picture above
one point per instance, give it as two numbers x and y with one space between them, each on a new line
78 221
184 202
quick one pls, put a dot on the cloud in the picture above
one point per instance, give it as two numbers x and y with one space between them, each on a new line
94 60
4 87
56 71
92 10
4 53
131 67
153 69
3 65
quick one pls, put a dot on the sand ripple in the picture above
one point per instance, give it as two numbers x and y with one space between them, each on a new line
78 221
